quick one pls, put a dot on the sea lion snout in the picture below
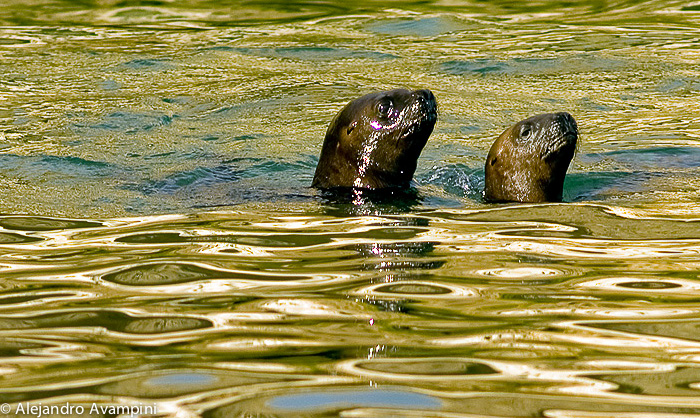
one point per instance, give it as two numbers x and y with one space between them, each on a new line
567 122
560 137
568 126
428 101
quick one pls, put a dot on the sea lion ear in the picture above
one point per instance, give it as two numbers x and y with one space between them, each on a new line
351 127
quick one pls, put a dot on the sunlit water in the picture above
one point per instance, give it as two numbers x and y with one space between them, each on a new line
160 246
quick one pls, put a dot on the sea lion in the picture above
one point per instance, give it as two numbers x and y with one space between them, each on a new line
375 140
528 162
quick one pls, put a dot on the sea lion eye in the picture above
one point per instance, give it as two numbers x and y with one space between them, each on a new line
384 108
351 128
525 132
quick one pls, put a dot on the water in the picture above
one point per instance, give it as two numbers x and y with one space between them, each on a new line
160 247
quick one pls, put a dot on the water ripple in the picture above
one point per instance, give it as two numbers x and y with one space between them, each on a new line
160 244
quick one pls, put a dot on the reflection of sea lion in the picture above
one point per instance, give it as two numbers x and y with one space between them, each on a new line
375 141
528 162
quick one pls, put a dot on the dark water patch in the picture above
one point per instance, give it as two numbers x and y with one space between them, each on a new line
680 86
532 66
664 381
413 288
432 200
634 170
212 302
650 285
16 347
111 320
231 171
144 64
481 66
33 223
14 41
14 299
77 166
32 167
127 122
682 329
655 158
190 109
179 100
222 137
9 238
247 137
158 156
427 367
164 274
420 27
267 106
603 185
591 104
469 129
199 177
312 53
271 169
159 325
109 85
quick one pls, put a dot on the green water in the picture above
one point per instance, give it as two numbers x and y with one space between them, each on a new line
160 246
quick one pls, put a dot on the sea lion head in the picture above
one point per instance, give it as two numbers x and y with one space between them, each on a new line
528 162
375 140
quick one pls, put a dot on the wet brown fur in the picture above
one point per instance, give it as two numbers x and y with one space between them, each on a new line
531 168
368 147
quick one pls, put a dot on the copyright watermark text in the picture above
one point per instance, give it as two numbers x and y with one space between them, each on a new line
39 410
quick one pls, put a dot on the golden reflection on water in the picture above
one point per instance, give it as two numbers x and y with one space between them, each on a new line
159 243
255 307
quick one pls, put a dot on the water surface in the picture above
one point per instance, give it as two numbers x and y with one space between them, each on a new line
159 243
